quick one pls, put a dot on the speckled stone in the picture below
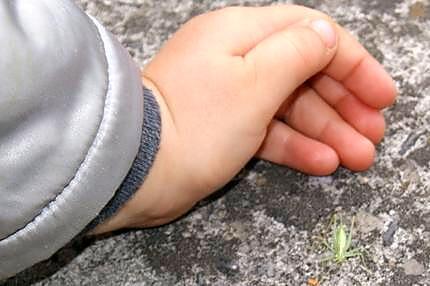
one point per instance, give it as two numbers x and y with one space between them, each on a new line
263 228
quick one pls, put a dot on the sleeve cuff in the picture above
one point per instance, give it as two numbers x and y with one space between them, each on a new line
149 145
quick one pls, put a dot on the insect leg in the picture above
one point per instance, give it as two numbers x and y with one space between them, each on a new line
348 241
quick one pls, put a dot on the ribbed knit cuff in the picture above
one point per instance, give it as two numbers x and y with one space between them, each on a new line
149 144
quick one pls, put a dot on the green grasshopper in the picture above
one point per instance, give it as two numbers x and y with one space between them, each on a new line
341 243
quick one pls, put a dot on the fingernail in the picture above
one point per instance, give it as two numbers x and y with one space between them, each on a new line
326 32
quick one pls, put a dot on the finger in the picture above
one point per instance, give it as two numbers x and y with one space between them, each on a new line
286 59
366 120
352 65
248 26
360 73
310 115
285 146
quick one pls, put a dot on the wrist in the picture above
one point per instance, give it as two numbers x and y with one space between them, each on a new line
152 203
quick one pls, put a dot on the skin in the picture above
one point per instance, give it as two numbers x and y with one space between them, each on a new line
268 86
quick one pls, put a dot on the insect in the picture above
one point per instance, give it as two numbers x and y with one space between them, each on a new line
341 243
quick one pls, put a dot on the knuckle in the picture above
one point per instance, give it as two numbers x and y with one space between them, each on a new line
285 142
298 45
306 45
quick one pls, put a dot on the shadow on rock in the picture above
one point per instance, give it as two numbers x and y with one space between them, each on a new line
47 268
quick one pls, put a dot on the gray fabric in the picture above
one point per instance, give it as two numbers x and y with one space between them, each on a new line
71 112
149 144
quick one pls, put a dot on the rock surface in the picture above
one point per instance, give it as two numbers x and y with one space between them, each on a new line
263 229
412 267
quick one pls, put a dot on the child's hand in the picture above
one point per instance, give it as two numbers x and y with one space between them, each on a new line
241 82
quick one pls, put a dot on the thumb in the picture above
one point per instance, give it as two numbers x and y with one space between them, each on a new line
286 59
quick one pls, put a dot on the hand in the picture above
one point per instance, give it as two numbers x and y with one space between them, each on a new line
244 82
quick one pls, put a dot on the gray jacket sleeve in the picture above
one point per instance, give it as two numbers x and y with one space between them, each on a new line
71 116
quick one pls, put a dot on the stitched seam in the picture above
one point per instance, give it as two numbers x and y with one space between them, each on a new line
49 206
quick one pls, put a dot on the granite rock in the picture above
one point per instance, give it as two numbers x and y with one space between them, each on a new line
263 228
